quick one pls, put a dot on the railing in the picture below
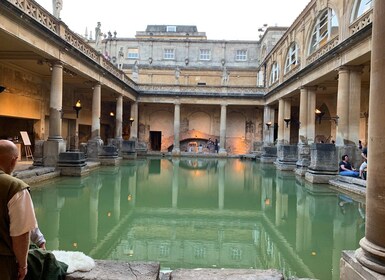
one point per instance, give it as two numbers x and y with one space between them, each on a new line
201 90
35 12
361 22
80 45
323 50
50 22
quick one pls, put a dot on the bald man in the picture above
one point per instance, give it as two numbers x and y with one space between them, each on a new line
17 216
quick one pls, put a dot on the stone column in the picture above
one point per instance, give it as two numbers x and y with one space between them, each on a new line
118 139
176 149
343 107
222 130
95 144
134 125
354 106
287 115
303 147
56 102
268 131
119 117
96 109
303 116
281 122
371 254
55 144
311 103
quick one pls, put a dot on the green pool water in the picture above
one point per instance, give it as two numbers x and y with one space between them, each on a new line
195 213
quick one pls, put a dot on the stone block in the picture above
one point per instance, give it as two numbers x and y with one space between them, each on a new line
51 151
324 159
72 159
38 153
94 148
109 151
269 154
287 153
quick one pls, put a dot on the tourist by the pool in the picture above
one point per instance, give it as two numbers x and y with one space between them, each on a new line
346 169
18 216
364 164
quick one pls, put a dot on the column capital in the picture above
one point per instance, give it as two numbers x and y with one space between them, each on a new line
353 68
311 88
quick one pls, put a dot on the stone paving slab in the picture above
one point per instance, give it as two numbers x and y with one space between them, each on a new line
225 274
115 270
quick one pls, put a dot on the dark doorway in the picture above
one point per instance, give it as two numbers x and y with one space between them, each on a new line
155 140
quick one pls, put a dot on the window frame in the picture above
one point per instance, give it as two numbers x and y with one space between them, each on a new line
360 8
241 55
169 54
204 56
130 54
291 61
323 29
274 73
171 28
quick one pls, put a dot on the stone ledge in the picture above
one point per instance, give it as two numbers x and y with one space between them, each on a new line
116 270
351 269
225 274
349 184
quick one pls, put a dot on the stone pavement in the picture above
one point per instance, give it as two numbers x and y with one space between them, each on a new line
114 270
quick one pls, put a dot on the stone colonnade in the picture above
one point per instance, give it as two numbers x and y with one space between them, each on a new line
55 143
296 156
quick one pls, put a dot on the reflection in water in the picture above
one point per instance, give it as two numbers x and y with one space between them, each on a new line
188 213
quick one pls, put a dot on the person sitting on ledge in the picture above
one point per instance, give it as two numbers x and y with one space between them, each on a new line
346 169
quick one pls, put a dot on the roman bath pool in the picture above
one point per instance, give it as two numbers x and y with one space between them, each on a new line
195 213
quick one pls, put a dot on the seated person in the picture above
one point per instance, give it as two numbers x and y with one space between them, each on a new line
346 169
363 166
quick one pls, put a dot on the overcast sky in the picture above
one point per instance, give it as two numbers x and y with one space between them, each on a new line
220 19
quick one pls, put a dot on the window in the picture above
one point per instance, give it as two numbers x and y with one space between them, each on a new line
171 28
274 73
325 28
360 7
132 53
241 55
204 54
169 54
291 57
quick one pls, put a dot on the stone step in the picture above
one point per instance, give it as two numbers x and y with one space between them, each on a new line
225 274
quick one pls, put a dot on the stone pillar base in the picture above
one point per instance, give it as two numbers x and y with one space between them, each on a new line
269 154
128 149
94 148
351 269
110 161
175 152
72 164
285 166
74 171
51 151
301 170
130 155
222 153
